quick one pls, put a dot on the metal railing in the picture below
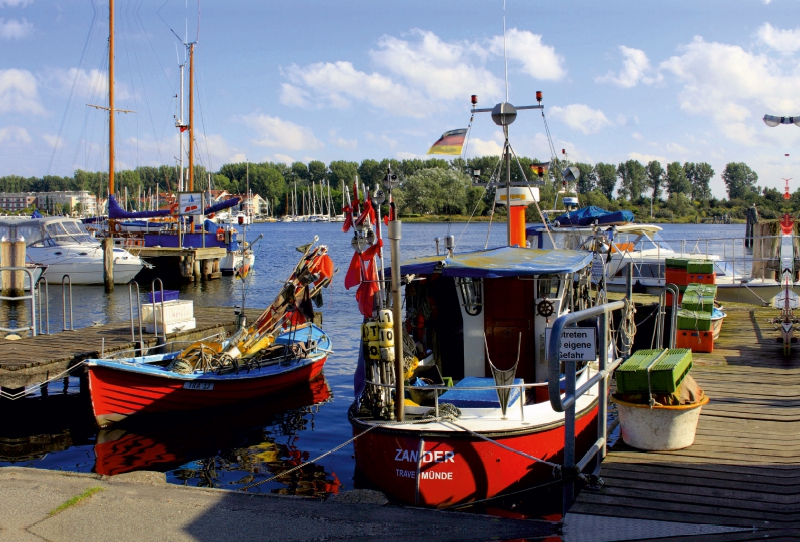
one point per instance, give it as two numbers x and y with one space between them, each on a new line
66 293
155 316
567 403
44 326
31 296
131 285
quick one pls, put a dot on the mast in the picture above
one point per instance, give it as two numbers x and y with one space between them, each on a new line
181 128
111 97
191 117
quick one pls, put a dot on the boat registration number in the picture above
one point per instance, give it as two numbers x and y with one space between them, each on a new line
198 385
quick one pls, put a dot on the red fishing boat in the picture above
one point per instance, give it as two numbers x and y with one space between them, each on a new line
282 348
468 355
166 446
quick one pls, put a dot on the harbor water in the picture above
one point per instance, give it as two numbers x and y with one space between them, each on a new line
237 446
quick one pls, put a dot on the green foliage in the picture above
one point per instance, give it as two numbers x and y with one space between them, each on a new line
342 172
606 179
588 179
677 183
700 176
655 177
740 180
633 177
435 190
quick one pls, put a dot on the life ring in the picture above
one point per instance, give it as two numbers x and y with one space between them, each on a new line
117 226
220 234
173 209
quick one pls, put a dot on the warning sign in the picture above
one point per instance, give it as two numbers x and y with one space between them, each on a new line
577 343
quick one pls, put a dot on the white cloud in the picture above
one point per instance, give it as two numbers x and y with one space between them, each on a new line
481 147
337 84
675 148
342 143
734 87
637 136
275 132
538 60
445 71
15 29
91 85
15 3
294 95
635 68
415 74
282 158
383 139
646 158
18 92
784 41
14 134
581 117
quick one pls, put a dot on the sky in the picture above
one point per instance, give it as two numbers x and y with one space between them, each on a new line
300 80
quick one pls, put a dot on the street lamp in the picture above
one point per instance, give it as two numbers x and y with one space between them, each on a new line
772 121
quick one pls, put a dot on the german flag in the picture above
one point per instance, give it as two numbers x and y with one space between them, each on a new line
450 143
540 168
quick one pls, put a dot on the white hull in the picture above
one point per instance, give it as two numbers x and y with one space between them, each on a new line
233 260
84 265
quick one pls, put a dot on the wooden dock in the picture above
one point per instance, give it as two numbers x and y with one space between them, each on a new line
744 468
180 264
35 359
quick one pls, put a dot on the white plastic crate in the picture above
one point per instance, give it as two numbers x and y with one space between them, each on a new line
172 327
174 311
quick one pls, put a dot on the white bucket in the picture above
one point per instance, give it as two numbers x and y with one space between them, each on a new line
659 428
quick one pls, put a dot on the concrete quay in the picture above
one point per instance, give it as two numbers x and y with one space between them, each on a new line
142 506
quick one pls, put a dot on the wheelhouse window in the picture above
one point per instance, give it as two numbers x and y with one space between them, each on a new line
471 294
643 271
547 286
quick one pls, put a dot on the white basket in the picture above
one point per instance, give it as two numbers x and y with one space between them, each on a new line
659 428
174 311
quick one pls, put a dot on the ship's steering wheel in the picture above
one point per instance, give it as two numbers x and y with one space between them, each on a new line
545 308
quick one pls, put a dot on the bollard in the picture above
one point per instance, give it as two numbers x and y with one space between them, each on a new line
108 264
12 254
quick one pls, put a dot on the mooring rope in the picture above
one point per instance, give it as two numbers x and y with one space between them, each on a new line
37 386
339 447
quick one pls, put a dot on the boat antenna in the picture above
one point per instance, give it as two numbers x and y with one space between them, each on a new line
505 56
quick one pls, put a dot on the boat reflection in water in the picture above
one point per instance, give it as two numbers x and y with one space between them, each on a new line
227 448
50 420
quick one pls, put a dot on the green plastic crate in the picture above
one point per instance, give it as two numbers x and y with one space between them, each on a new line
695 303
669 367
705 290
676 263
694 321
700 267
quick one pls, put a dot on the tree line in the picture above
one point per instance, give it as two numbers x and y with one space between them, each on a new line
453 187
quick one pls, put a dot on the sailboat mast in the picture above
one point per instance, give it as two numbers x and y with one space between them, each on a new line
111 97
181 180
191 117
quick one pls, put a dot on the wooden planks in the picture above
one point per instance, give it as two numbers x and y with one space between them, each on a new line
744 467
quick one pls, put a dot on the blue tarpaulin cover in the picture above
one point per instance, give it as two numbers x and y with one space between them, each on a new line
115 211
500 262
586 216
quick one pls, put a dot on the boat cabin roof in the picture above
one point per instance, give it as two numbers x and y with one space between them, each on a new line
499 262
53 230
644 229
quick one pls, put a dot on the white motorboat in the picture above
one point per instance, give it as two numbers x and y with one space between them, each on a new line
640 246
65 246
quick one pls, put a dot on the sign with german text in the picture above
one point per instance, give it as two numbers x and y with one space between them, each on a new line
190 203
577 343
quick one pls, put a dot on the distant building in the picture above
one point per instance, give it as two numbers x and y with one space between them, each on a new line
16 201
80 201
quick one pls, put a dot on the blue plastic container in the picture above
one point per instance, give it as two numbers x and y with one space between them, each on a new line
169 295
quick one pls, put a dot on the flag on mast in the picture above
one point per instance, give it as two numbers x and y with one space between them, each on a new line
450 143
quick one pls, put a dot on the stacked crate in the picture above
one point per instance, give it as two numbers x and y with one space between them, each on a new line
676 273
654 371
694 318
701 272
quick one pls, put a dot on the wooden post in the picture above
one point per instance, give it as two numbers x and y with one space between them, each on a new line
12 254
108 264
